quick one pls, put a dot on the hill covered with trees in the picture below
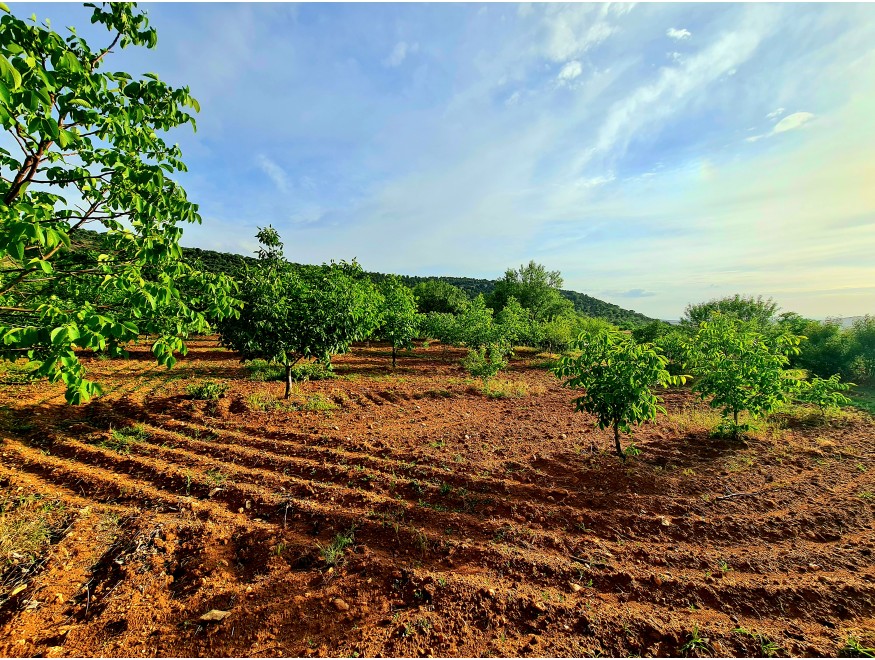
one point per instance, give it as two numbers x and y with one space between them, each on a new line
228 263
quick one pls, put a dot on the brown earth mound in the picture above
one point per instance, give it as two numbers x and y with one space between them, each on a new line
406 513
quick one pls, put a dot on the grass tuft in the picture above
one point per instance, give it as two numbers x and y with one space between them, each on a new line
333 554
121 440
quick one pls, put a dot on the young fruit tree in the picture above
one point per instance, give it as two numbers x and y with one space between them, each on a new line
400 320
740 368
487 343
617 376
291 313
825 393
86 147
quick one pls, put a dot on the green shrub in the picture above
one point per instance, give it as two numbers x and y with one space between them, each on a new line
484 362
825 393
207 390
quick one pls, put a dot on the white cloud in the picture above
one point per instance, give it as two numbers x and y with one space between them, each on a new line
665 96
678 34
274 172
596 181
788 123
513 99
574 29
399 53
792 122
675 56
774 114
569 72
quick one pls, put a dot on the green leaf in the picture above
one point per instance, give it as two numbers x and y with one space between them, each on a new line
9 73
65 138
58 336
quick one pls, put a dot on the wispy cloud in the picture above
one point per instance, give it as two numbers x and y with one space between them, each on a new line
571 134
274 172
572 30
678 34
794 121
399 53
654 101
788 123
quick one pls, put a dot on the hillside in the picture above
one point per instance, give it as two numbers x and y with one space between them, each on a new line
226 262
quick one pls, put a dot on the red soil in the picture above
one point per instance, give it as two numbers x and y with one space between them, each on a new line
481 526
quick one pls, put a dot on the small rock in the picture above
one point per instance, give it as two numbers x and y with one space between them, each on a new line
248 504
664 521
814 567
340 604
215 615
575 587
215 491
656 580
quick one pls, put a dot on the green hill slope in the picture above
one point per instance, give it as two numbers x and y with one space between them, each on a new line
225 262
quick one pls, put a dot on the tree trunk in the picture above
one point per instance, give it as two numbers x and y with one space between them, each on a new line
393 355
288 381
735 428
617 441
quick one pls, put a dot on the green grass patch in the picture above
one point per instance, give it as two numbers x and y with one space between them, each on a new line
264 371
500 388
207 390
18 373
309 403
121 440
863 397
26 528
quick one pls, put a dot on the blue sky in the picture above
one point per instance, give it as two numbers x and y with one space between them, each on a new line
655 154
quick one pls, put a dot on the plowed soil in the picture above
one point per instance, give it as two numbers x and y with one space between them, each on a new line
480 526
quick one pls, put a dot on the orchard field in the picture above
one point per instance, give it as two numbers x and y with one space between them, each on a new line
407 513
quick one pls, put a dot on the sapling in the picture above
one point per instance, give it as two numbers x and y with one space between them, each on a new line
617 376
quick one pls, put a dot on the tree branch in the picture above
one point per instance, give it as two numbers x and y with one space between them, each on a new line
105 50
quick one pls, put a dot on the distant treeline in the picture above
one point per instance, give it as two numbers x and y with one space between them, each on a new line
626 318
225 262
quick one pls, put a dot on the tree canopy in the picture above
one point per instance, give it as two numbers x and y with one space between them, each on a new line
291 313
535 288
399 319
88 150
617 375
762 312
